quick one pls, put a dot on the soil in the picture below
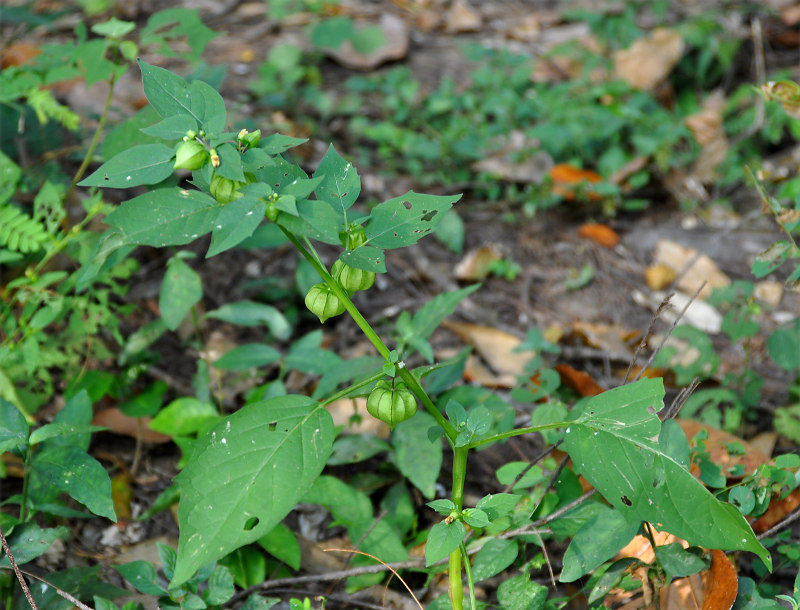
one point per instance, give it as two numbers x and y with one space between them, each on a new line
546 246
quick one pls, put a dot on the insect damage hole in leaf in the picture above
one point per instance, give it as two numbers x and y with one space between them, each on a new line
272 426
251 524
626 501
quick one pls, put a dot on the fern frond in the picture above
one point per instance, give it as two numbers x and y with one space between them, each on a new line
19 232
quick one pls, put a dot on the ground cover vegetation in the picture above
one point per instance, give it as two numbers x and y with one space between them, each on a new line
613 502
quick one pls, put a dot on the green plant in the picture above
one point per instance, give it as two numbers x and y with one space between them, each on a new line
251 468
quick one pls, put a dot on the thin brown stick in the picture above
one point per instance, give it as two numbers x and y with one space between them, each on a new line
788 520
70 598
669 332
17 571
388 567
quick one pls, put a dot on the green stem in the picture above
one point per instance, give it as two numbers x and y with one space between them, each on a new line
23 510
112 81
454 564
518 432
468 569
407 376
355 386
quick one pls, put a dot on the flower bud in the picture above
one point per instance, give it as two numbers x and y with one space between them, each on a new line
223 189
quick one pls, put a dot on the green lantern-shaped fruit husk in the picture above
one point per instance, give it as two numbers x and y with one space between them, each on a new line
390 403
191 156
352 279
323 302
224 190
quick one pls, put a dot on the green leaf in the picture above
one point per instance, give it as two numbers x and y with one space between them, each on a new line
443 506
248 566
246 474
167 92
183 416
519 593
236 222
614 444
443 539
208 104
772 258
403 221
248 356
250 313
281 543
72 470
28 541
418 458
498 505
165 217
433 313
365 257
495 556
230 163
354 448
278 143
340 185
784 346
331 32
171 128
181 289
142 575
220 586
678 561
173 24
13 427
596 542
62 429
144 164
113 28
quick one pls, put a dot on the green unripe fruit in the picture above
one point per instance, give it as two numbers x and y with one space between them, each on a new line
191 155
250 139
271 212
323 302
352 279
391 404
224 190
354 237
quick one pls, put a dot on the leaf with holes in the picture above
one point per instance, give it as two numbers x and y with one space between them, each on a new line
405 220
340 184
615 445
246 474
165 217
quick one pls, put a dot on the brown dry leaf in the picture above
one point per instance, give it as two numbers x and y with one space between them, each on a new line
721 583
462 18
494 346
707 127
717 447
703 268
609 338
583 383
568 179
648 61
527 28
695 312
601 234
769 292
658 277
790 15
476 372
778 510
395 31
476 264
119 423
345 409
147 550
18 54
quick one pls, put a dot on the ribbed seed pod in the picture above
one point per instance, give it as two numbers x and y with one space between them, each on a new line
390 403
323 303
352 279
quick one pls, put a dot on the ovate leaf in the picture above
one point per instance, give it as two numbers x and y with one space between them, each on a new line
167 92
246 474
340 184
144 164
403 221
235 223
165 217
416 456
28 541
181 288
614 444
443 539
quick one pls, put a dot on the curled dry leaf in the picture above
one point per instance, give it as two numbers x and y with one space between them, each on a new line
697 313
717 445
720 582
476 264
649 60
505 163
703 268
707 127
495 346
568 181
119 423
601 234
462 18
658 277
583 383
18 54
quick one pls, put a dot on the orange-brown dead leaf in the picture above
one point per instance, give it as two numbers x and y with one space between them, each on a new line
720 583
581 382
494 346
777 511
119 423
19 54
567 178
717 446
658 277
601 234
